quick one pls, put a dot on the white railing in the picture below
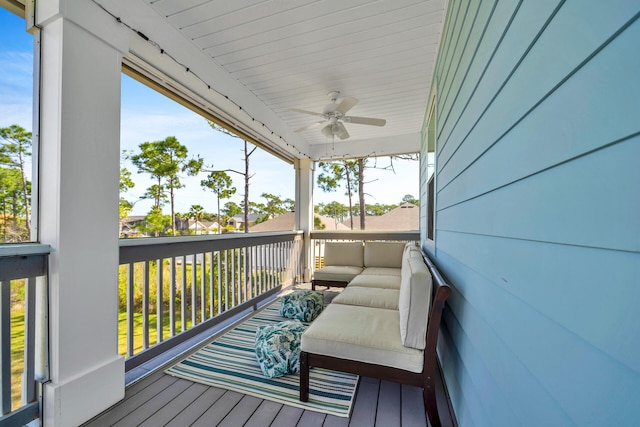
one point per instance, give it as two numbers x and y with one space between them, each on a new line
23 269
172 288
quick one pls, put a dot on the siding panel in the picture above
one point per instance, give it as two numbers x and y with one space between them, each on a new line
567 204
473 40
544 366
490 42
527 24
607 76
538 211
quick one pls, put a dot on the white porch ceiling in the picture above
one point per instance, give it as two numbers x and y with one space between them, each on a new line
290 53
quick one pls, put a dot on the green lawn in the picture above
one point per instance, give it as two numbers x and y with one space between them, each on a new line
17 355
17 343
137 331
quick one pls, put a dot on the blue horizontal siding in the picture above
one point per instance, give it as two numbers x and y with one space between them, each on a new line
538 211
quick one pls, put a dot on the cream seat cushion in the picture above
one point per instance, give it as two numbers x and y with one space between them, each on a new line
337 273
372 281
370 335
369 297
344 253
414 302
383 254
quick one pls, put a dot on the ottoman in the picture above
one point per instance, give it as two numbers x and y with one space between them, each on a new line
278 348
302 305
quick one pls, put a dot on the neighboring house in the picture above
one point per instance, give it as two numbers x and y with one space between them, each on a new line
203 227
286 221
212 226
237 221
404 217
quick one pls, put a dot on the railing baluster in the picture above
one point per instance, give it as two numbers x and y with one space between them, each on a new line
269 265
233 282
159 300
219 254
254 253
28 375
265 275
212 295
172 296
183 294
239 276
245 253
203 288
5 349
194 296
145 305
130 309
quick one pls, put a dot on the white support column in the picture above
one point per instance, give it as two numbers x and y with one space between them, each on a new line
304 208
79 176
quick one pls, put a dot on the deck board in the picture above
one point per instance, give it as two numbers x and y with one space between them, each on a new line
163 400
241 413
265 414
190 414
151 406
412 397
219 410
366 403
288 417
388 413
311 419
175 406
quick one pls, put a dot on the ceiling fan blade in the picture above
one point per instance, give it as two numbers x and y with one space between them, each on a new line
364 120
346 104
311 113
311 126
342 131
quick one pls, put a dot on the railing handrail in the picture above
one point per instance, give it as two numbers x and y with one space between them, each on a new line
23 260
142 249
366 235
24 249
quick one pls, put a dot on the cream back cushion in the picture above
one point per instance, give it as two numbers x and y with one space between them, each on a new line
343 253
383 254
414 302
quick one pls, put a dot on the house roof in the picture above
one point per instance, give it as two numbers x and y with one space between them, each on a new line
287 220
240 217
404 217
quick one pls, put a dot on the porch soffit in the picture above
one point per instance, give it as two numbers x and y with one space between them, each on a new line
268 57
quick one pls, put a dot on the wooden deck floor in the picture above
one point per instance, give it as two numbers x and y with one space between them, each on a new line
163 400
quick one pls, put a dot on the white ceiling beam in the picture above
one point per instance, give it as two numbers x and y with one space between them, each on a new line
385 146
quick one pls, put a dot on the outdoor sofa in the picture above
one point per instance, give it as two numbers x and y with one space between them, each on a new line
384 324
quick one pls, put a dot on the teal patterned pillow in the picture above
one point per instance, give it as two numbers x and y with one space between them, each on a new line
302 305
278 348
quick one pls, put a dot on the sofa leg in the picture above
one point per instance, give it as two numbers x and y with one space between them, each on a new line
304 376
313 285
430 403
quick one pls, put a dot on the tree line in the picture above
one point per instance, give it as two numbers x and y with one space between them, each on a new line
168 162
15 188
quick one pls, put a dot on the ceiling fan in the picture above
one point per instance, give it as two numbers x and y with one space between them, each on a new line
333 116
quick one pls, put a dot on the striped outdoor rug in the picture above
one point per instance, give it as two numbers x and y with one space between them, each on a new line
230 363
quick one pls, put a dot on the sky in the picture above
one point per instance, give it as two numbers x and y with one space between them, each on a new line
149 116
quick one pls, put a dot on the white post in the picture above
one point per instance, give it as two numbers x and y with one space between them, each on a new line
304 209
79 175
